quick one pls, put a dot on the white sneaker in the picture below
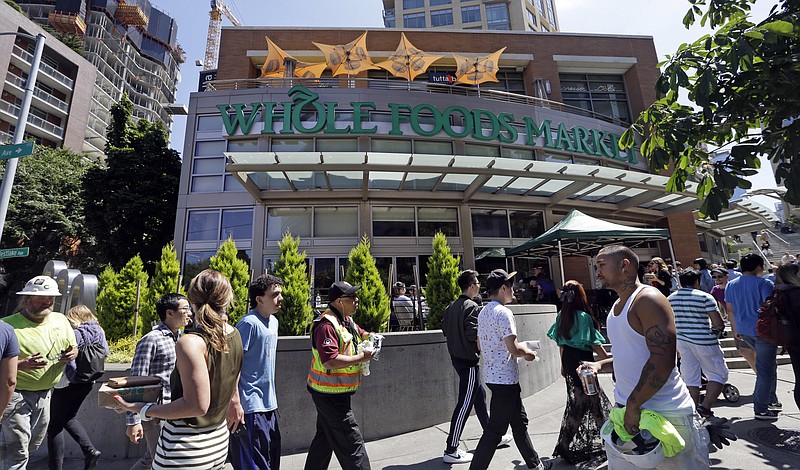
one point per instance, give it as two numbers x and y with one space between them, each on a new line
457 457
505 440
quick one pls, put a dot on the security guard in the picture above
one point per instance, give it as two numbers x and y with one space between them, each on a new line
334 376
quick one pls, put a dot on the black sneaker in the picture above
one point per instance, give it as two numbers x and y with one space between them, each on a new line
704 412
768 415
777 406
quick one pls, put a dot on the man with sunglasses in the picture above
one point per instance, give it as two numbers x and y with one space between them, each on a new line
497 336
333 378
155 356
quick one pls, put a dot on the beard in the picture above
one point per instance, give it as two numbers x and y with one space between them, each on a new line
40 313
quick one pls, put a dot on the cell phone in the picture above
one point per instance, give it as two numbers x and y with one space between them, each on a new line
239 430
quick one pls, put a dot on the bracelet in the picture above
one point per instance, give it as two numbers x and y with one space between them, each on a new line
143 411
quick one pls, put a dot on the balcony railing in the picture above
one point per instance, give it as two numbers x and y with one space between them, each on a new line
33 120
418 87
20 82
53 73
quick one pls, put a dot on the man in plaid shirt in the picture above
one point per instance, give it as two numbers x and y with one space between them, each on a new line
155 357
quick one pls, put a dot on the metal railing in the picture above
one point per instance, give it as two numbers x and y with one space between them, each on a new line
419 87
53 73
33 120
20 83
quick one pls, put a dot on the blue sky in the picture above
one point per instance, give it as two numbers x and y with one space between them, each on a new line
658 18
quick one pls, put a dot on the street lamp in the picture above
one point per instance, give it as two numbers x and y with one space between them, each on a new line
22 121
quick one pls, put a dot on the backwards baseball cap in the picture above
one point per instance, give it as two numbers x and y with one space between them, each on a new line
41 285
497 278
340 289
399 285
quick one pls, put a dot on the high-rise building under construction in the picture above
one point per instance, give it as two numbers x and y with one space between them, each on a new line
133 45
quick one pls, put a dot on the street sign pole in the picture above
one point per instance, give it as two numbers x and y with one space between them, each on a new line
19 132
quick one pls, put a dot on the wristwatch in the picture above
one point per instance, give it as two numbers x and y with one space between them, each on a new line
143 411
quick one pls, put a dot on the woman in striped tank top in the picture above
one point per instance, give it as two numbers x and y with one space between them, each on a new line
209 359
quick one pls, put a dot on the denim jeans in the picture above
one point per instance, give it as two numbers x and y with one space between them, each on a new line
766 373
24 427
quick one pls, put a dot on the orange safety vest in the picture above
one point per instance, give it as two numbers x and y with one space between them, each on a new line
342 380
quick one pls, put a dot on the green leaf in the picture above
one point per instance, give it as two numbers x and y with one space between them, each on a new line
780 27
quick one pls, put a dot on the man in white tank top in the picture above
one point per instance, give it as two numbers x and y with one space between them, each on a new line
641 328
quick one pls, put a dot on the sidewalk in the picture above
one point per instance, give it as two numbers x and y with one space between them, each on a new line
423 449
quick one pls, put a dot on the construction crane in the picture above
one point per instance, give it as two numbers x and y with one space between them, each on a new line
218 8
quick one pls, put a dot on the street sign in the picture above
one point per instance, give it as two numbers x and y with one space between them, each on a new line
16 150
14 253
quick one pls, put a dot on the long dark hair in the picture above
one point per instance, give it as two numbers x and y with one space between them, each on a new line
573 299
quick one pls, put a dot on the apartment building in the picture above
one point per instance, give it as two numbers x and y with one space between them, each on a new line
513 15
60 105
133 45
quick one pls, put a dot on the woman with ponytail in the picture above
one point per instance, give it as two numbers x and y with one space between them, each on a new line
209 359
576 333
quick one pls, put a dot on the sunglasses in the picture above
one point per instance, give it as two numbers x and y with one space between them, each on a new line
718 276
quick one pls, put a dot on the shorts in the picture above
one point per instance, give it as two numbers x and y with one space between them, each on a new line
747 342
697 359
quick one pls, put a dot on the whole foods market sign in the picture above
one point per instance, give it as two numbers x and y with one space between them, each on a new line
425 120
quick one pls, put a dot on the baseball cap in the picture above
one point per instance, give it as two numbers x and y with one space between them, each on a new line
41 285
341 288
399 285
497 278
720 271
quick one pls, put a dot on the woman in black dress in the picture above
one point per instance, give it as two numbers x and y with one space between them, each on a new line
576 333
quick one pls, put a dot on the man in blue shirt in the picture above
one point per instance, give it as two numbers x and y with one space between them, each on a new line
743 298
256 441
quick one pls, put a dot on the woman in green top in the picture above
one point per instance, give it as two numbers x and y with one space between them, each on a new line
576 333
204 383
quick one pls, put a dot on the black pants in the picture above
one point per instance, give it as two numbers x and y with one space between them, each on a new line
506 409
64 406
470 392
794 354
337 432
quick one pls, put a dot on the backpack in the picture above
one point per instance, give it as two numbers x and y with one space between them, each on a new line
90 363
775 322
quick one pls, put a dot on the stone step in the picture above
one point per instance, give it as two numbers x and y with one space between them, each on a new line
738 362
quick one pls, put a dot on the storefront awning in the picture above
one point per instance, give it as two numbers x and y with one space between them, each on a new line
619 193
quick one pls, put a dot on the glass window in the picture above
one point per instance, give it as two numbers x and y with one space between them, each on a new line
194 262
232 185
243 145
525 224
442 17
433 148
209 123
335 221
393 222
295 220
213 148
497 16
414 20
237 224
208 166
551 17
337 145
540 6
471 14
701 237
489 223
391 146
203 225
408 4
292 145
602 94
437 219
207 184
324 276
476 150
520 154
435 3
531 18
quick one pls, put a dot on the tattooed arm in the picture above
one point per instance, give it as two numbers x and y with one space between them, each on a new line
652 317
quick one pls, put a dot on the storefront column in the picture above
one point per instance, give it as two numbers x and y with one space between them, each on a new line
684 237
259 239
465 229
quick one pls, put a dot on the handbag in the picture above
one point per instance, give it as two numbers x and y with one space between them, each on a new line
775 323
